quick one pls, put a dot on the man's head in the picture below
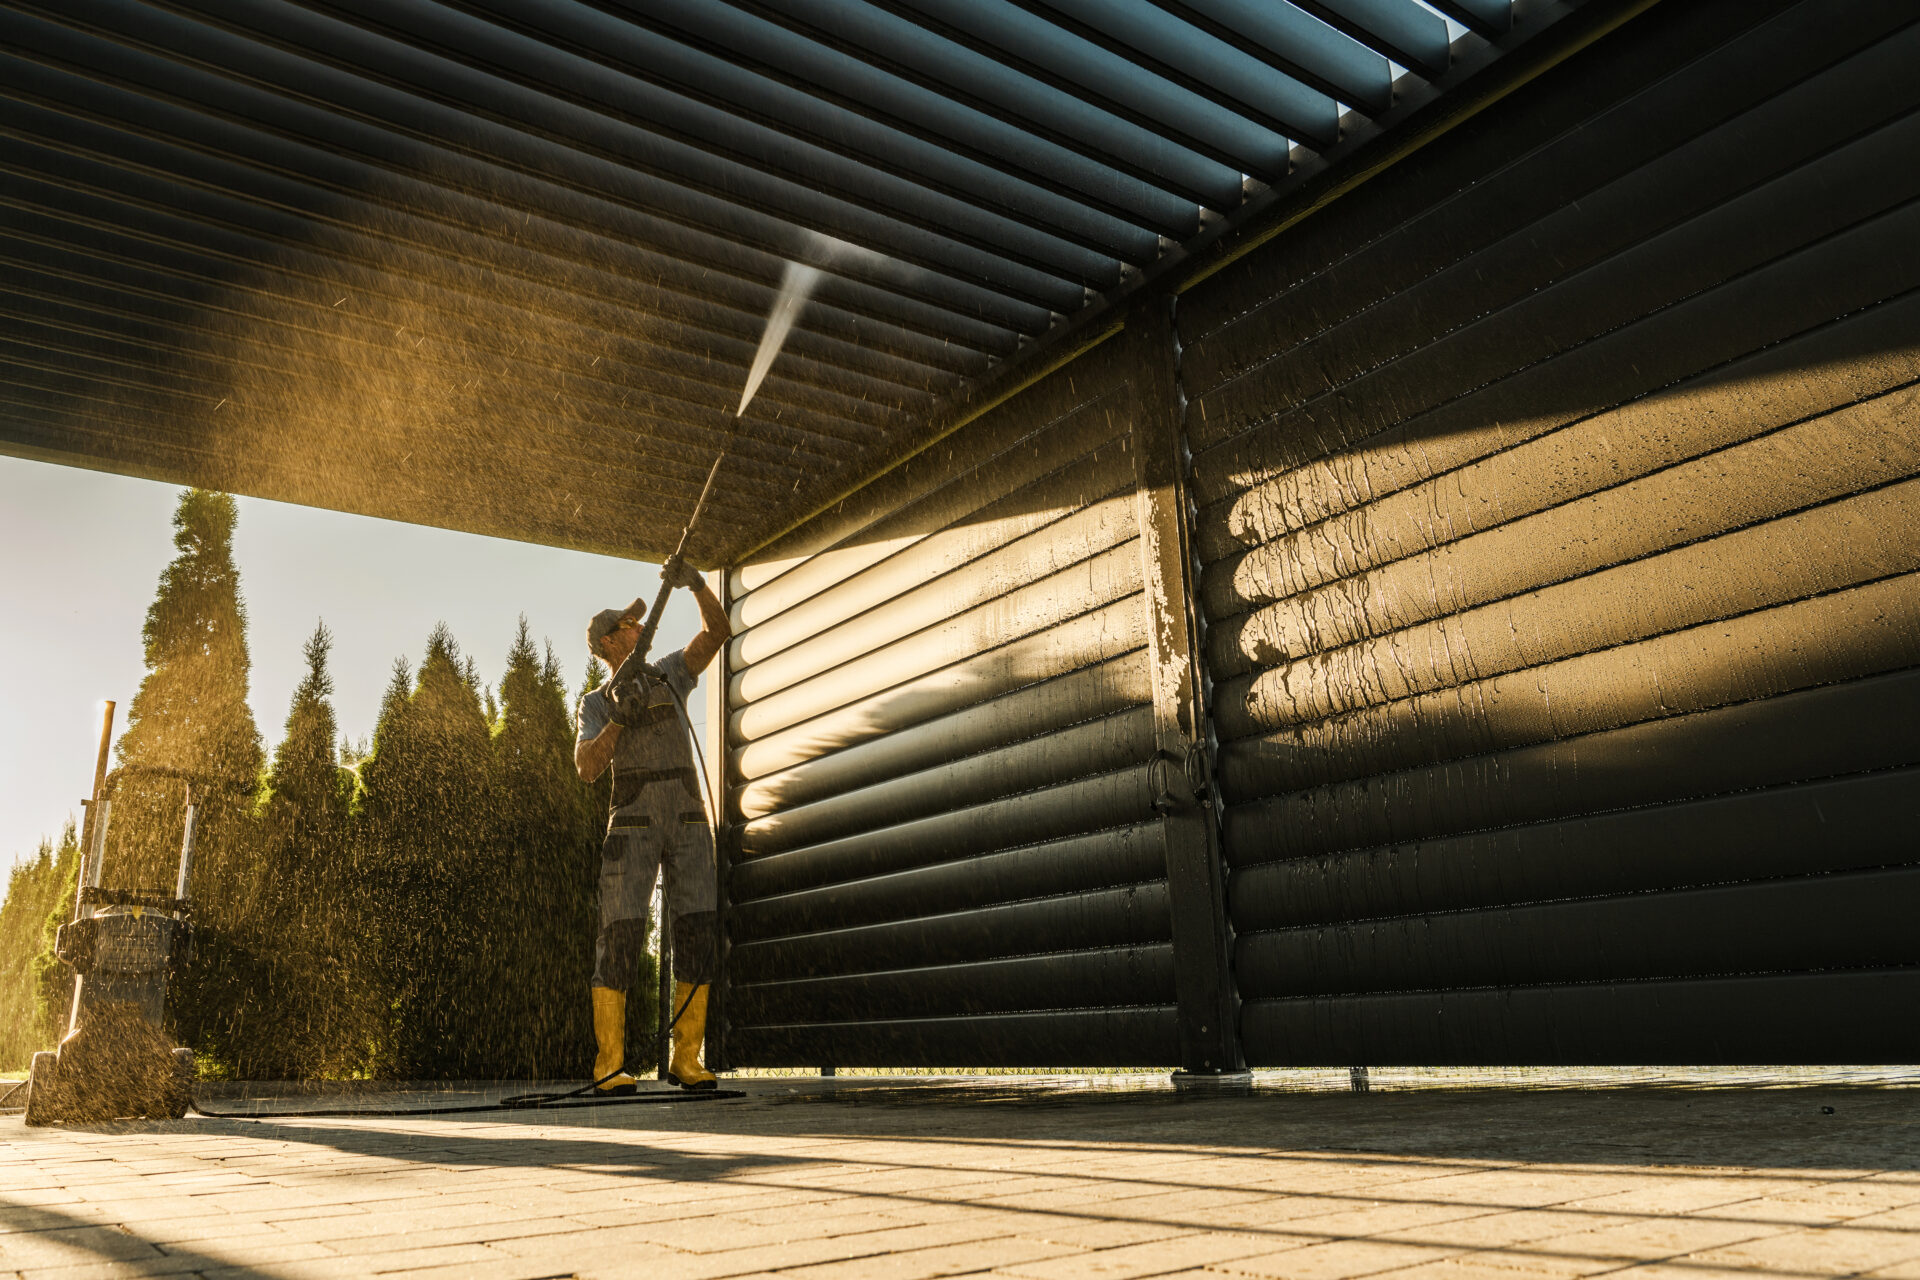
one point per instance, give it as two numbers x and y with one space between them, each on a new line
612 633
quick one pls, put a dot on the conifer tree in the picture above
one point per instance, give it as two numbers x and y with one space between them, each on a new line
53 997
34 889
430 859
548 837
314 1014
191 714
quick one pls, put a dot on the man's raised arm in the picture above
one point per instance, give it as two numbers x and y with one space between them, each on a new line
714 631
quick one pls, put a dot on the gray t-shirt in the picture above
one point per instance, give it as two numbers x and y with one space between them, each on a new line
659 744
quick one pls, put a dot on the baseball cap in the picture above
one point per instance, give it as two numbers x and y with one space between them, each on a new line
607 621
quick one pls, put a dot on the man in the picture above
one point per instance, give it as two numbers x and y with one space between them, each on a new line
657 815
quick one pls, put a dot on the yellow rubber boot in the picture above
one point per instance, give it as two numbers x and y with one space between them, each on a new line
689 1034
610 1033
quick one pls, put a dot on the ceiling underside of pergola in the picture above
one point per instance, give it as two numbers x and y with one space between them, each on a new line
502 265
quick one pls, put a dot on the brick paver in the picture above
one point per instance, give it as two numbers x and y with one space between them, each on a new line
903 1182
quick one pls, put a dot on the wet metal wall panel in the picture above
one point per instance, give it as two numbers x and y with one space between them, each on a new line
1559 513
943 846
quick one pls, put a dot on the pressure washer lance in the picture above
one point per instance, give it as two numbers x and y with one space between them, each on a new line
636 662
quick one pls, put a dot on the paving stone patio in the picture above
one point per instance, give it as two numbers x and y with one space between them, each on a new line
1027 1179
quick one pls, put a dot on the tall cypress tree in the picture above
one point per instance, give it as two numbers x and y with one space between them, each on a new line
313 1015
376 833
547 834
430 859
191 714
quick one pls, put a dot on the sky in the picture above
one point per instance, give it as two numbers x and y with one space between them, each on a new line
83 555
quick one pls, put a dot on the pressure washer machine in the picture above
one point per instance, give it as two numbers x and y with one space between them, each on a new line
116 1060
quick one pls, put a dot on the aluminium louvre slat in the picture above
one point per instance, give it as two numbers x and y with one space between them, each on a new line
47 412
1851 727
1092 692
606 440
1707 291
820 70
766 447
880 379
39 364
1004 769
228 103
787 440
1573 525
207 272
1837 920
1851 823
618 423
19 162
1043 605
1875 628
1045 53
1117 917
1411 34
1834 1017
888 40
740 95
65 438
1289 41
943 593
883 287
679 182
729 151
1194 61
1637 598
1094 978
688 258
1122 798
1106 859
690 183
1096 636
660 251
1488 17
1782 91
980 527
1112 1037
787 570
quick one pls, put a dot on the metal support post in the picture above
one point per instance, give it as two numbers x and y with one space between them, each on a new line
1196 883
97 857
663 978
186 850
93 824
726 833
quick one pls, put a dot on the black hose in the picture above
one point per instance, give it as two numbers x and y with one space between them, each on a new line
518 1102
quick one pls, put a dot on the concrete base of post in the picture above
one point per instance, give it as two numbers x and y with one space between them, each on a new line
1213 1084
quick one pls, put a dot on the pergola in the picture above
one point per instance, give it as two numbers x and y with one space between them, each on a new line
502 265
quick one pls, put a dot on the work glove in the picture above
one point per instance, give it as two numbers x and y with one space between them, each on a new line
682 574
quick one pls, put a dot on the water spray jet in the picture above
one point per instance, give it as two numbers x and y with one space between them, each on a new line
796 285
